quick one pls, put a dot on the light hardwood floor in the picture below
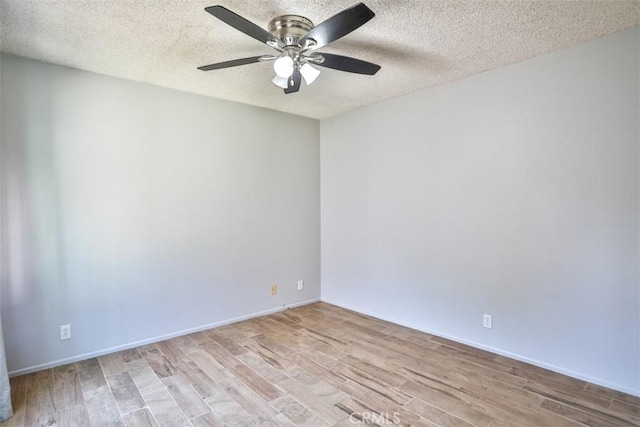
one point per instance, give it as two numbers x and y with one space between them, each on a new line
316 365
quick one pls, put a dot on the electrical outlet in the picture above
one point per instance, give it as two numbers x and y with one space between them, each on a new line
300 285
487 321
65 332
274 289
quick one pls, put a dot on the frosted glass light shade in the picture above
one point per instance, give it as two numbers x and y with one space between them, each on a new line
309 73
282 82
283 66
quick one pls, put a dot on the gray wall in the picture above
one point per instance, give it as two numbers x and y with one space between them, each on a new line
134 212
513 193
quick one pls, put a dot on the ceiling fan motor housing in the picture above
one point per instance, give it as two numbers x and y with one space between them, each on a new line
289 29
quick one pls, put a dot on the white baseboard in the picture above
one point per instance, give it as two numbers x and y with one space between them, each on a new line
134 344
515 356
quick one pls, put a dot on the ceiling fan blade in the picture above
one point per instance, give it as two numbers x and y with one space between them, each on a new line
345 63
232 63
296 78
338 26
242 24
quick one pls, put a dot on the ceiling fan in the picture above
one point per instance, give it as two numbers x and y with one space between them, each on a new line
296 39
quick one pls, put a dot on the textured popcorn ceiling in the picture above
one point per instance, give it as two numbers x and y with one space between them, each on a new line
419 43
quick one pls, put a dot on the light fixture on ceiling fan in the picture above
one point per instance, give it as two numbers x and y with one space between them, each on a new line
296 38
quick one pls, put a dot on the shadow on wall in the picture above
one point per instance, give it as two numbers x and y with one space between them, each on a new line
32 250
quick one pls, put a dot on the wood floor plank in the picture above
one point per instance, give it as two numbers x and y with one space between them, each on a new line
140 418
295 412
584 405
360 413
504 400
320 345
317 369
185 396
157 361
18 400
270 356
632 411
382 352
285 321
165 410
235 366
335 339
476 357
435 415
229 411
380 404
66 386
466 349
373 384
272 344
448 402
111 364
91 375
322 406
186 344
129 356
278 421
203 384
389 378
404 346
136 365
374 355
322 312
125 392
102 408
207 420
318 385
250 328
597 403
73 416
40 401
575 414
282 326
257 383
210 366
248 399
145 379
518 402
438 367
221 355
307 349
227 343
560 382
261 367
229 331
463 366
198 337
364 329
171 351
613 394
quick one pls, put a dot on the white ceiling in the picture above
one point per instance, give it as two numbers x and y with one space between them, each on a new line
418 43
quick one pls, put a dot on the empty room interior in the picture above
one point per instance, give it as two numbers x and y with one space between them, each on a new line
279 213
